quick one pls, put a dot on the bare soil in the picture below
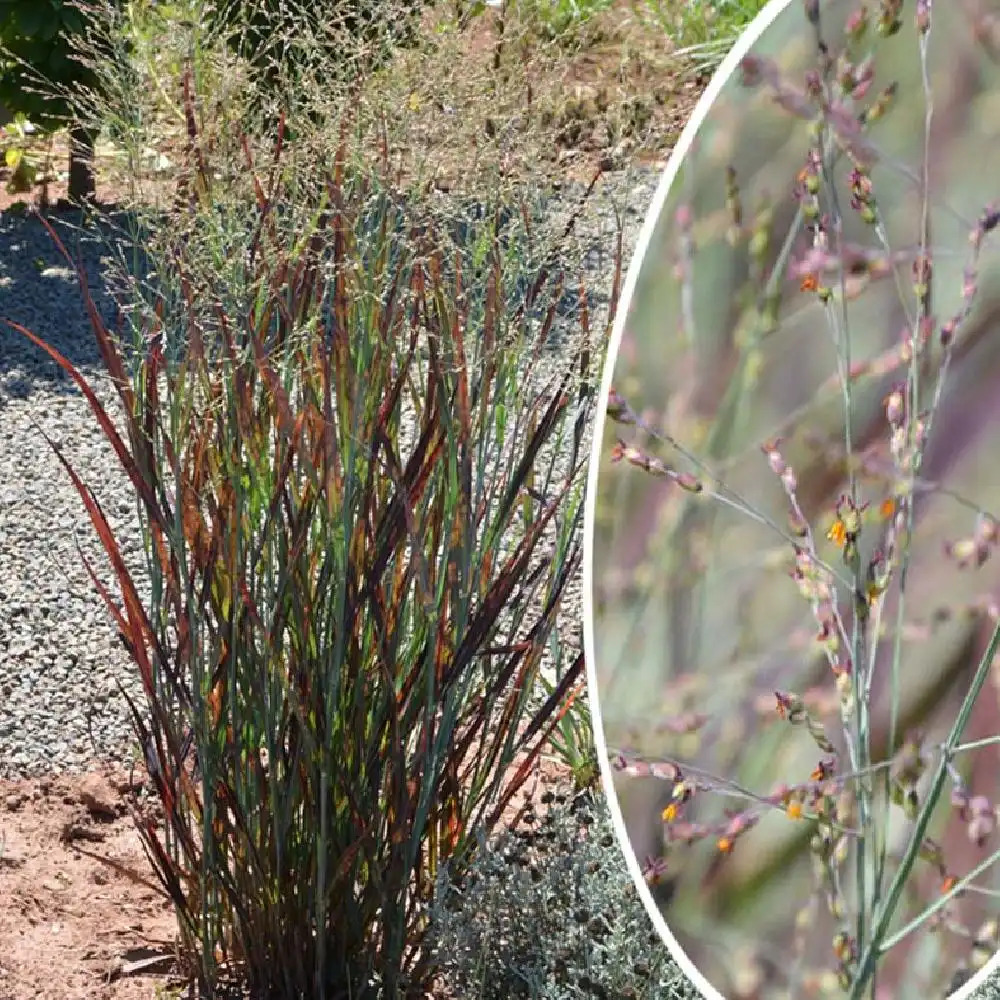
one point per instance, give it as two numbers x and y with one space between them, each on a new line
81 917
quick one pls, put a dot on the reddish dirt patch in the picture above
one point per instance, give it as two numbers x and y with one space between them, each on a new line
73 926
80 915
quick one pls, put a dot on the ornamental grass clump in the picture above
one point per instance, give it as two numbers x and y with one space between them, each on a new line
361 499
795 557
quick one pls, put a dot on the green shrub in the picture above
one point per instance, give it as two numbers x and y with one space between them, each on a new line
39 67
34 41
549 911
560 19
703 30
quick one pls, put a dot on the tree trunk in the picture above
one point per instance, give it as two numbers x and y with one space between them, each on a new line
81 164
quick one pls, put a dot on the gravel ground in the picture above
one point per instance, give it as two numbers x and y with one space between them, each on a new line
60 659
990 991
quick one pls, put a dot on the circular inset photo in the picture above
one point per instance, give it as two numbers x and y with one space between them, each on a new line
793 582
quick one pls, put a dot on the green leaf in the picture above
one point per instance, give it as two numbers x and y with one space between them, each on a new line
501 423
48 30
72 21
23 177
30 19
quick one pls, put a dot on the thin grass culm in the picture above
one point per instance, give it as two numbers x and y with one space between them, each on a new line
795 522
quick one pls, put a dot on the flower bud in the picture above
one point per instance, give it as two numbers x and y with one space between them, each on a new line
922 17
857 24
894 407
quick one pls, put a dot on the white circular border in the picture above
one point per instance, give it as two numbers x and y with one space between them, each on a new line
705 103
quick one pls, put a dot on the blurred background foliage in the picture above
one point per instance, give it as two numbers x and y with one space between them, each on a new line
693 607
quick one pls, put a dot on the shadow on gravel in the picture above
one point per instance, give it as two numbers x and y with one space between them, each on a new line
40 289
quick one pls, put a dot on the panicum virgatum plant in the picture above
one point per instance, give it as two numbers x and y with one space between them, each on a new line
358 473
798 511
